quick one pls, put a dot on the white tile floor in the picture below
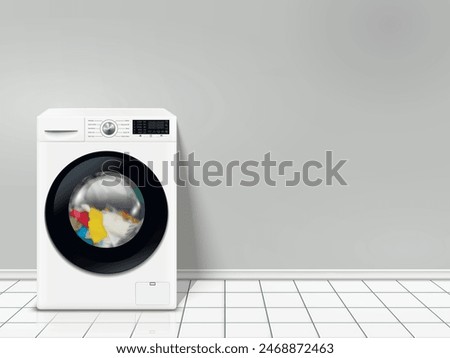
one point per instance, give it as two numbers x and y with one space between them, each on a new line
249 308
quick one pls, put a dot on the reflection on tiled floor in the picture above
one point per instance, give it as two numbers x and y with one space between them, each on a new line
249 308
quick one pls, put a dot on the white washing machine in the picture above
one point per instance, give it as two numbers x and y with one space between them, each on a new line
106 209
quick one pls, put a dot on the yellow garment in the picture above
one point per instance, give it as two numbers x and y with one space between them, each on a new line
96 228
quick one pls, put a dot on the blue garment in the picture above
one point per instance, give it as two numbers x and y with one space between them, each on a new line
82 232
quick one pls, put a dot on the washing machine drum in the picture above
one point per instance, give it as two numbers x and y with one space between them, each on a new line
106 212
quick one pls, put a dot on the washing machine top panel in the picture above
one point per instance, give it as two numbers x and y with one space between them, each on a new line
106 212
107 125
89 112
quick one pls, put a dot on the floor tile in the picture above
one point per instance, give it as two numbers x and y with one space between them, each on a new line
246 315
433 299
288 315
329 315
182 285
444 284
420 286
235 299
283 299
278 286
207 286
399 300
204 330
65 330
293 330
349 286
443 313
373 315
24 286
248 330
118 317
15 299
314 286
360 300
430 330
197 299
243 286
156 330
75 317
32 315
5 284
110 330
21 330
415 315
322 300
161 316
339 330
203 315
7 313
385 330
384 286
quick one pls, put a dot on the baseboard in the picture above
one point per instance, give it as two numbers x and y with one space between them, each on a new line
186 274
312 274
14 274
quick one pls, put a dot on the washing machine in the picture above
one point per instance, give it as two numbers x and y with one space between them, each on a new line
106 209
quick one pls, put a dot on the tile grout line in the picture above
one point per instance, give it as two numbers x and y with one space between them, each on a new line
237 323
392 313
321 307
85 333
240 322
42 330
423 303
437 286
224 308
203 307
20 309
184 308
365 335
16 292
315 292
305 292
135 325
307 311
265 308
4 291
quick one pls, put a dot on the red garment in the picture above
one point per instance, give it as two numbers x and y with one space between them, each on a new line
82 217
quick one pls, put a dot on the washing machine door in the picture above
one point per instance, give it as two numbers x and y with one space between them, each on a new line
106 212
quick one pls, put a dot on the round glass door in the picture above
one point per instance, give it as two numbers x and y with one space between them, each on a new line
106 212
106 215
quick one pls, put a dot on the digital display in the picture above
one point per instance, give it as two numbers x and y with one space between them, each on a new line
150 126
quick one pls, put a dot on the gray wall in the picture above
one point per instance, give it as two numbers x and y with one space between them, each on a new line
369 80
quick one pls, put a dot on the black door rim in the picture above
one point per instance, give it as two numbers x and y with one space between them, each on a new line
106 260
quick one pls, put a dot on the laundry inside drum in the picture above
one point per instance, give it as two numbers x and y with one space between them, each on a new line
106 210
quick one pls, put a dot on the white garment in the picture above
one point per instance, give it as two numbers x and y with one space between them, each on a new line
115 225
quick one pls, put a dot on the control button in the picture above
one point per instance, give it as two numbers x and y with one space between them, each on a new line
108 128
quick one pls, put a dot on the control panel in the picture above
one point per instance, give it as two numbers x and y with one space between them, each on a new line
117 129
